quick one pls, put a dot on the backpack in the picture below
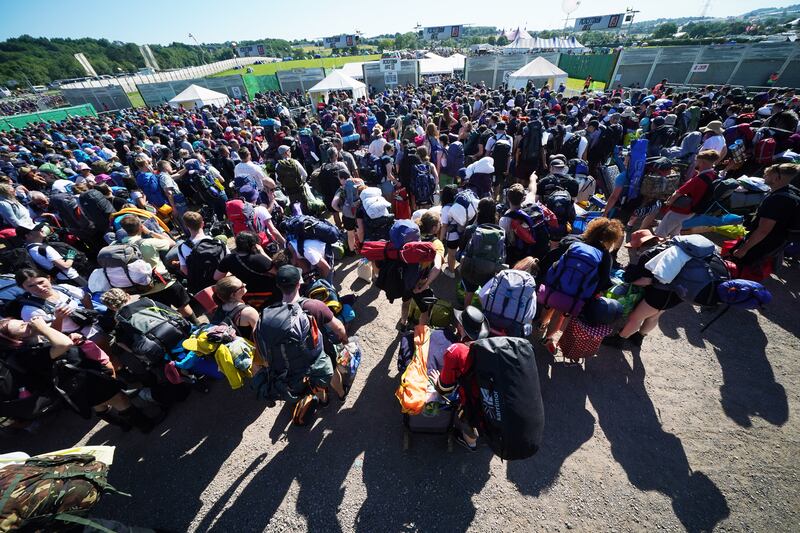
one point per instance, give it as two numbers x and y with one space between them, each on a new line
290 341
242 215
511 412
202 262
151 330
96 208
53 493
120 256
764 151
351 198
501 153
532 141
530 234
151 187
717 192
289 176
423 184
793 230
377 229
68 210
402 232
561 204
705 266
512 293
485 254
573 276
391 279
304 227
467 201
471 145
455 157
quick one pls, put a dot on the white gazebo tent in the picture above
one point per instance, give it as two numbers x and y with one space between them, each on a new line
539 71
334 82
196 96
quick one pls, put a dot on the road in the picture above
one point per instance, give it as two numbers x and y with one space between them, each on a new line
692 432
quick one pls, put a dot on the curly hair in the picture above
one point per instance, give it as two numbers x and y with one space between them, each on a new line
604 232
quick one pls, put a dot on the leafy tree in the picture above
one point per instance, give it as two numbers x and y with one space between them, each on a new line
666 30
502 40
492 40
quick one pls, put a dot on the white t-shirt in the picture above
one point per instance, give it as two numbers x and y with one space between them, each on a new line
262 217
313 250
66 295
140 271
715 142
253 170
61 186
46 261
376 147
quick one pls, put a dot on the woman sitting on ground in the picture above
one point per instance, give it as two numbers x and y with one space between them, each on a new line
228 295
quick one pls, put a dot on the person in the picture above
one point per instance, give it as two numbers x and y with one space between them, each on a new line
246 167
601 233
452 226
377 143
775 218
34 347
557 179
421 292
229 295
12 212
421 202
291 175
714 139
175 198
251 264
47 258
331 177
194 223
456 371
148 182
684 203
486 214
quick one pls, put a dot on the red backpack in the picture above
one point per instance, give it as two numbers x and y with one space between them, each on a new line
764 151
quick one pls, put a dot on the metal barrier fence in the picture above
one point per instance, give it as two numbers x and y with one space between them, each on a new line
493 70
109 98
156 94
20 121
260 84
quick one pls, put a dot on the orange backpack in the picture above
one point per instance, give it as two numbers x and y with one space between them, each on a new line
413 390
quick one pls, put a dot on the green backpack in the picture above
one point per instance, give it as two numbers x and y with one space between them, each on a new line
289 176
441 315
485 254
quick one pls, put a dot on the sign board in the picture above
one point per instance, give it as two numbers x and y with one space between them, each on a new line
390 64
254 50
507 75
340 41
700 67
441 33
237 92
390 77
433 79
604 23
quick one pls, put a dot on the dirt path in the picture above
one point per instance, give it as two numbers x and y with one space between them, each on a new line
692 432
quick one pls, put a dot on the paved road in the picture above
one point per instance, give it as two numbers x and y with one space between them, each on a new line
691 432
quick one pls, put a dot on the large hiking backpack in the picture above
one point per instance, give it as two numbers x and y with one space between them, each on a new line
530 234
68 210
392 279
532 141
463 211
351 199
423 184
511 295
151 187
764 151
402 232
484 255
242 215
511 412
572 279
290 341
52 493
455 158
501 154
121 255
303 227
717 192
151 330
471 145
289 176
705 266
570 147
201 263
377 229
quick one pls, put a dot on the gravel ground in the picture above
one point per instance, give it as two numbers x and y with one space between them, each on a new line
691 432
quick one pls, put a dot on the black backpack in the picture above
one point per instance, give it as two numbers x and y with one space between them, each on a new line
377 229
80 262
391 279
532 141
501 153
202 262
570 147
511 412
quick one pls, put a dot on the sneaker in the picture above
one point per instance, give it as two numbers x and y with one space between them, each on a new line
636 339
463 442
449 273
614 341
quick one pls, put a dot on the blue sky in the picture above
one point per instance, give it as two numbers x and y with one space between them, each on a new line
165 21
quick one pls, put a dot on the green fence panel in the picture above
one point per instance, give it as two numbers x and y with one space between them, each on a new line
20 121
260 84
598 66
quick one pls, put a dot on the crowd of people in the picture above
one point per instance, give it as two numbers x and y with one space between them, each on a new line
151 249
30 104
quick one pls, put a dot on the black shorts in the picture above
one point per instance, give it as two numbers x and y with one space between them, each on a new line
469 286
174 295
660 299
419 299
349 223
453 245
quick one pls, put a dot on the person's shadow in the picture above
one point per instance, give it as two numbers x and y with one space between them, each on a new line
568 425
652 458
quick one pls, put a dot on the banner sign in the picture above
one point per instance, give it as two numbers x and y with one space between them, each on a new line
604 23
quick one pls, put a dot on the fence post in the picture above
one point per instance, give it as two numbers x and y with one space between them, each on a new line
738 64
696 61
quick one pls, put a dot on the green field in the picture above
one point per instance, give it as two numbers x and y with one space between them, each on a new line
136 99
577 85
324 52
327 62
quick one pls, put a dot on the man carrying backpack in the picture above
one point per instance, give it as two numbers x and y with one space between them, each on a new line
291 175
199 255
456 371
557 191
688 200
290 340
526 231
500 147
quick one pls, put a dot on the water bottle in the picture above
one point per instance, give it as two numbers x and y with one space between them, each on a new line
23 393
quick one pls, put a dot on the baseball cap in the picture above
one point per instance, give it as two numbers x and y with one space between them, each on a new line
282 149
288 275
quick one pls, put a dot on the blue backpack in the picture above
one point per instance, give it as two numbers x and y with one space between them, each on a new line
455 158
151 186
423 184
304 227
402 232
743 293
575 273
